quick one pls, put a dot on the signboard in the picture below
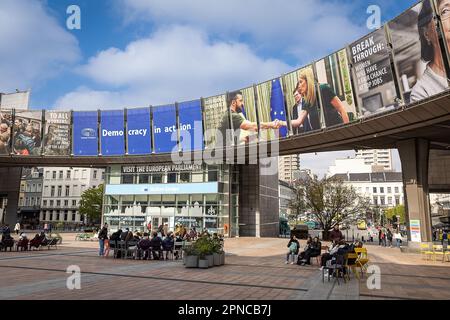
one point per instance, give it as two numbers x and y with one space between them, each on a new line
164 129
372 74
169 188
112 133
85 136
414 227
139 138
162 168
6 125
57 133
190 125
27 133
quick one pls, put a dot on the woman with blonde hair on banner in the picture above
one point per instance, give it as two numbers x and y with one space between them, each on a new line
434 79
308 116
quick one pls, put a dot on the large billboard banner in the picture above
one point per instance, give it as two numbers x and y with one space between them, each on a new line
216 117
443 10
112 133
5 132
336 94
27 133
57 133
191 125
84 134
138 131
372 74
249 113
301 100
165 128
417 53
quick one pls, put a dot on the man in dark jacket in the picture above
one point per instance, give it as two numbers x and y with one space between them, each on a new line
336 234
156 244
144 245
102 236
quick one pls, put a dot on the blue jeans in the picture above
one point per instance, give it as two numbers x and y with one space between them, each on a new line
101 242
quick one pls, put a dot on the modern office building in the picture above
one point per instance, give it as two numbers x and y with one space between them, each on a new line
288 167
287 193
30 197
233 200
62 189
376 157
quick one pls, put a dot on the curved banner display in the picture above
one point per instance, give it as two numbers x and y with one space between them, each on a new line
27 133
372 74
139 137
164 128
190 125
112 133
302 101
417 53
57 133
443 11
249 113
336 94
6 124
216 120
85 136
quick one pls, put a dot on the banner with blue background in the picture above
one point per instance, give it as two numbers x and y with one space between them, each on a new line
112 133
164 125
191 125
85 136
139 135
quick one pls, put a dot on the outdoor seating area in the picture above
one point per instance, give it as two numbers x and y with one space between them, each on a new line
131 250
434 252
39 242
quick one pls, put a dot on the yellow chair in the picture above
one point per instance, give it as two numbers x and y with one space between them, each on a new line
447 254
425 250
351 266
363 259
438 250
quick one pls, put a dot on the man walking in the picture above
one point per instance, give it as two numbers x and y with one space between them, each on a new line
102 236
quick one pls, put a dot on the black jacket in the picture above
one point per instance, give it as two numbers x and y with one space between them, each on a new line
103 234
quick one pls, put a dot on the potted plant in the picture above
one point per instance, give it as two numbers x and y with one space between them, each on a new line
204 249
217 248
190 257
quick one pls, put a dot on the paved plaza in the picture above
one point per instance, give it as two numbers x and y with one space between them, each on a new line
254 270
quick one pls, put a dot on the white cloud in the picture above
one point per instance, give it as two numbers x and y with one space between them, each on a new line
307 28
34 47
174 64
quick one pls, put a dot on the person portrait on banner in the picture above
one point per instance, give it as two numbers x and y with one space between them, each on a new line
434 79
306 111
5 133
443 7
239 123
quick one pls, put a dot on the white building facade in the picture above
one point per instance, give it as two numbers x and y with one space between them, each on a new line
376 157
62 190
288 167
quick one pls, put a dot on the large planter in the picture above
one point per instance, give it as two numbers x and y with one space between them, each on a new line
191 261
210 259
184 259
203 264
217 259
222 258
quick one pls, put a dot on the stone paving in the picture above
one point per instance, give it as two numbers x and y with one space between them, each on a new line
254 270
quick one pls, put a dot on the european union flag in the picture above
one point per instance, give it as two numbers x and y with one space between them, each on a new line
277 110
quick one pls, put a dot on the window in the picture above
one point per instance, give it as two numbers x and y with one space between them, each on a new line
39 188
47 174
381 189
127 179
389 190
38 201
396 189
57 215
157 178
52 193
367 189
374 189
172 177
28 188
74 217
61 174
375 200
59 191
185 177
95 174
65 216
84 174
144 178
44 203
46 191
67 191
66 203
33 188
32 201
397 201
389 200
51 217
53 174
382 200
58 203
21 202
74 203
76 174
68 174
103 175
51 203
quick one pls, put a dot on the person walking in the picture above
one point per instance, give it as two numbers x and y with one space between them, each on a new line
102 236
17 227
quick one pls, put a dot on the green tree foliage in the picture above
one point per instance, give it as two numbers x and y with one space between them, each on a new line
91 203
396 211
329 201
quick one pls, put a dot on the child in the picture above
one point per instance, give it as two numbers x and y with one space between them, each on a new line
106 250
293 246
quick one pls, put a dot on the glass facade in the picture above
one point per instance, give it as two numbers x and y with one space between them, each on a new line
144 197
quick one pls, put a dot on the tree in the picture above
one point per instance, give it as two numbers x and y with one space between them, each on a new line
394 212
92 202
330 202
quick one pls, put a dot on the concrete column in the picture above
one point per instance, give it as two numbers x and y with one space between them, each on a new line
414 155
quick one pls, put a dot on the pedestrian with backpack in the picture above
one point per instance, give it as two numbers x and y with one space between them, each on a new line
293 246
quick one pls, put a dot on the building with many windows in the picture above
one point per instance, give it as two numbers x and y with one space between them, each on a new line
30 197
377 157
61 193
288 167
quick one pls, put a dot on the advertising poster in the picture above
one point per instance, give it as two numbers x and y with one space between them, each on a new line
191 125
27 133
301 100
112 133
336 94
372 74
216 113
57 133
414 226
271 110
84 134
165 128
443 10
6 125
417 53
139 137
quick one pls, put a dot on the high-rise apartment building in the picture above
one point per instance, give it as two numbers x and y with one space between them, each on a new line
377 157
288 167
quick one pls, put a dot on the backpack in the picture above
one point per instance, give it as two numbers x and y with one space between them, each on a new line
293 247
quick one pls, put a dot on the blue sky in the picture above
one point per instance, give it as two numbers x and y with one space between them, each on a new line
139 52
